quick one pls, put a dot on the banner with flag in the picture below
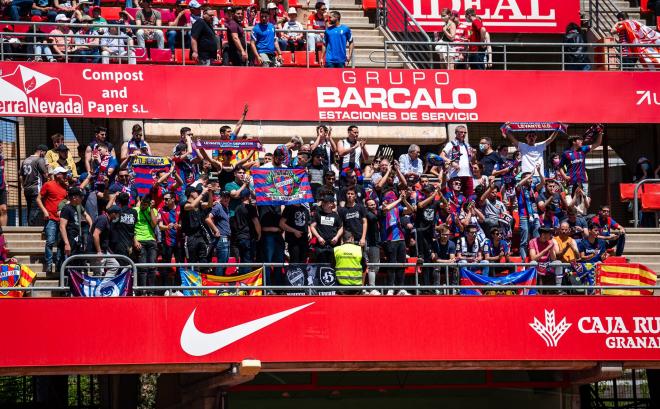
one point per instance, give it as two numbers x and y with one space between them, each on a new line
196 279
281 186
625 274
310 275
533 127
241 144
526 277
15 275
145 168
83 285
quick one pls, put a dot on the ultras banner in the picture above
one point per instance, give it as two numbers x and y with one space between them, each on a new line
272 329
424 96
501 16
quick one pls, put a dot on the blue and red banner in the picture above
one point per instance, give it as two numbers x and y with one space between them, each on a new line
145 169
226 284
281 186
526 277
83 285
533 127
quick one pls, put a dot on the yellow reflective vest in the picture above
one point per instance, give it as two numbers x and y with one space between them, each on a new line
348 264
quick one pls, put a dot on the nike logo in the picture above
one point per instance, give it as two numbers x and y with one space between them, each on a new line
197 343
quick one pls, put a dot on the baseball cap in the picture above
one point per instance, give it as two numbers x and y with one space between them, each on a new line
114 209
62 148
61 17
271 5
42 147
194 4
59 169
227 193
292 10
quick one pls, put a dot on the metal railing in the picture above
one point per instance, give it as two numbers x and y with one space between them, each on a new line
636 198
182 37
398 23
512 55
449 287
602 15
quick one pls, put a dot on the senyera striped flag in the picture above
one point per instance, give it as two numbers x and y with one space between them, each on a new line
626 274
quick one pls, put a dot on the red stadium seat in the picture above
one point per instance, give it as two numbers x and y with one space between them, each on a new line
21 28
230 271
110 13
517 259
166 16
218 3
652 188
301 59
141 55
160 55
287 59
294 3
627 190
180 56
650 201
369 5
242 3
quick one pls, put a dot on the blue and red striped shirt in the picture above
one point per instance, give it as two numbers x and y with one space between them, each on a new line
169 216
575 163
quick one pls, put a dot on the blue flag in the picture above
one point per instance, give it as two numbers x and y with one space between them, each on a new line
83 285
526 277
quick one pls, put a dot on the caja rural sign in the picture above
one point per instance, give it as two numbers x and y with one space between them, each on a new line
189 330
349 95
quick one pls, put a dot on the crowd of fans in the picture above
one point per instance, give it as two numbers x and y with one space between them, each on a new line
459 204
214 36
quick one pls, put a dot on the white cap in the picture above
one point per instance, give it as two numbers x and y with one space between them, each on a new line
59 169
292 10
14 41
271 5
194 4
61 17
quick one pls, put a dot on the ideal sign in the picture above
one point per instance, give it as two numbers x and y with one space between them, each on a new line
501 16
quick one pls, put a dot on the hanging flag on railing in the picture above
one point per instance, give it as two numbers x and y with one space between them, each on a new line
625 274
15 275
196 279
281 186
145 169
310 275
242 144
83 285
526 277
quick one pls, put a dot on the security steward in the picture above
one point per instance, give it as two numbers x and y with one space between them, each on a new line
349 264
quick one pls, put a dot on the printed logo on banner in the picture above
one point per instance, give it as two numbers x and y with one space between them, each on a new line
550 332
26 91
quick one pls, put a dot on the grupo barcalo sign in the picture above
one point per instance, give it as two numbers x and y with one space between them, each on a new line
348 95
174 330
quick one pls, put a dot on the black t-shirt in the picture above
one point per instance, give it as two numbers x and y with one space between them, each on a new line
297 217
269 216
426 217
191 221
327 224
352 217
207 47
445 251
72 216
103 224
123 231
241 224
489 161
225 176
373 231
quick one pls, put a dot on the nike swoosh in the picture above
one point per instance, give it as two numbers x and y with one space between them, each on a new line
197 343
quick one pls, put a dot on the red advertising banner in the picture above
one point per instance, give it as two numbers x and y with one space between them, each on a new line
501 16
429 96
188 330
